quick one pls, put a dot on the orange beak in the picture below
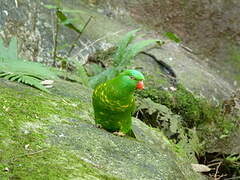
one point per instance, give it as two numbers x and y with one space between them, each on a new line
140 85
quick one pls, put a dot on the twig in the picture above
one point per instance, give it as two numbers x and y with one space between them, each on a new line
112 34
237 177
33 153
136 116
79 35
221 176
158 114
16 3
29 154
140 110
213 164
187 49
216 176
55 35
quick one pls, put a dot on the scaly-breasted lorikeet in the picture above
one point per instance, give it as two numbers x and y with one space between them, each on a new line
114 103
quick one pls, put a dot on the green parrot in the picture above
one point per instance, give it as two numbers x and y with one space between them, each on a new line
114 103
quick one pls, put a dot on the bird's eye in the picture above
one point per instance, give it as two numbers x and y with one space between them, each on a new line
131 77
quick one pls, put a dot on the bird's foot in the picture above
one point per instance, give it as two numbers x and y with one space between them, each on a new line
99 126
119 133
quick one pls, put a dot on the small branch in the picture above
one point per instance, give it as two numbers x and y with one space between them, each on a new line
29 154
137 114
79 35
216 176
16 3
91 44
55 35
213 164
216 173
33 153
237 177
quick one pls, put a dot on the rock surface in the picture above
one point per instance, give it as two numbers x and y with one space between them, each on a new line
209 28
101 33
59 131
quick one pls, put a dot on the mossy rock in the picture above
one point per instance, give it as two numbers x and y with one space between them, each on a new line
53 136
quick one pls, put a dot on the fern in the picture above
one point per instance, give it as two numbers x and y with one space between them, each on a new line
132 50
103 76
122 46
123 57
10 52
14 69
80 71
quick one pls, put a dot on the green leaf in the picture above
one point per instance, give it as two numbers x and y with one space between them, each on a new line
102 77
49 6
16 77
123 57
82 74
32 82
126 51
123 44
172 36
3 74
64 20
9 76
14 69
9 52
133 50
67 21
73 11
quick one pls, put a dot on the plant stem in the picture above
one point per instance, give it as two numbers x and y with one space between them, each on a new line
79 35
55 35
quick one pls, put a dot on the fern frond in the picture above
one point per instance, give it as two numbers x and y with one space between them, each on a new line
15 78
25 79
132 50
82 74
14 69
27 67
9 76
123 57
103 76
3 74
34 82
9 52
122 46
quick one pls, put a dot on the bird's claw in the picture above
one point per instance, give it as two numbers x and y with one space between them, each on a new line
99 126
119 133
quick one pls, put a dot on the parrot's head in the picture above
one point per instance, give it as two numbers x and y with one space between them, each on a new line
134 78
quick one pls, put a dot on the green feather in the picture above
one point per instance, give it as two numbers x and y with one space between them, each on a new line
113 101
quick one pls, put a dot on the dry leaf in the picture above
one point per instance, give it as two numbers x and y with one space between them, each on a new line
200 168
47 82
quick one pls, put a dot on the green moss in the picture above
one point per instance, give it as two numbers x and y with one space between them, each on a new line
52 163
195 111
51 136
234 61
202 125
24 152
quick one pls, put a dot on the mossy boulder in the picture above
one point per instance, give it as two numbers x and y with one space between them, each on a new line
53 136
